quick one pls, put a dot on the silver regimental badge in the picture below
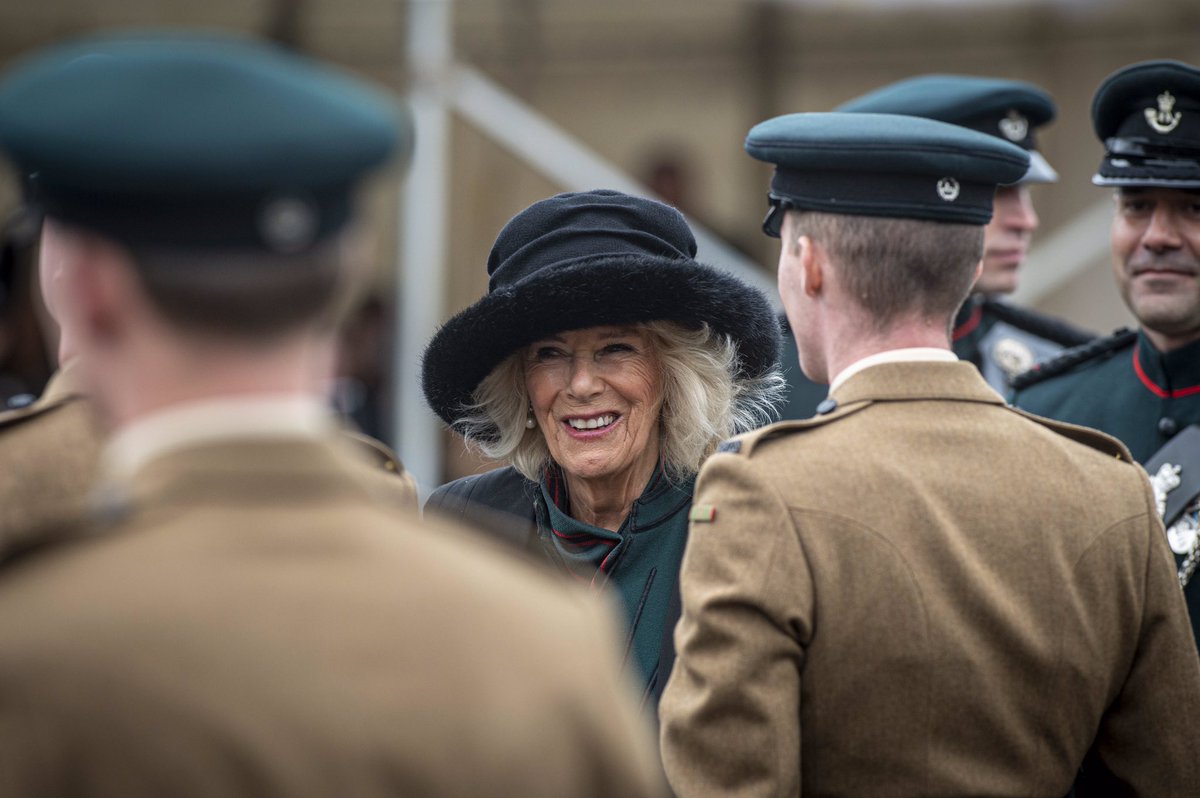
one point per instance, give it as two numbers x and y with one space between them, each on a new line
947 189
1162 119
1165 481
1183 533
1012 356
1014 126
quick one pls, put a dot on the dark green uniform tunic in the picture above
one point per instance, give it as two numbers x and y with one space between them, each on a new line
1131 391
1003 340
640 562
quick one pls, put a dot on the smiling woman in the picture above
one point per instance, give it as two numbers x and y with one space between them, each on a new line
604 364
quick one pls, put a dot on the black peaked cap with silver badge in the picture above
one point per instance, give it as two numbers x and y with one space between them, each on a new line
187 140
1008 109
885 165
1148 117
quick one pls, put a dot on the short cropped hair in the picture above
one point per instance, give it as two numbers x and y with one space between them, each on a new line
246 294
898 267
705 400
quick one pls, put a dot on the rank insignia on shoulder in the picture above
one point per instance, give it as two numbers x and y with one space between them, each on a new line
730 447
702 513
827 406
20 401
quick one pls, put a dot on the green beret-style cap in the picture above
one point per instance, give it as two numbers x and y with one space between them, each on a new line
885 165
193 141
1008 109
1148 116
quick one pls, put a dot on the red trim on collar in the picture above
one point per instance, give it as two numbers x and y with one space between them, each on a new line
1161 393
968 326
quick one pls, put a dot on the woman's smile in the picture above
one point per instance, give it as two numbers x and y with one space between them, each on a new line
590 427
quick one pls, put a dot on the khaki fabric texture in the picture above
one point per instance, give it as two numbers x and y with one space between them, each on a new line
50 460
928 593
253 622
49 452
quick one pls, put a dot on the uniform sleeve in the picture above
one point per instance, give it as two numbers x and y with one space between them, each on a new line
606 747
1146 741
28 765
730 714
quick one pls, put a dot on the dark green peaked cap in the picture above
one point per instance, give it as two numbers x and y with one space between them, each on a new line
187 140
885 165
1148 116
1008 109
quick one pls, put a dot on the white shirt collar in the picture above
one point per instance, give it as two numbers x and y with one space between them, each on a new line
178 426
910 355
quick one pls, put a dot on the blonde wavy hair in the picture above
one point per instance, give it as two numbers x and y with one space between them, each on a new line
704 402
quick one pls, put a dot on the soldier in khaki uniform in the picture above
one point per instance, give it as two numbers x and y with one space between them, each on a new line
246 616
50 448
868 607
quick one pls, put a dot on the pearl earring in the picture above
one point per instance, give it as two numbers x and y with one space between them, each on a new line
530 423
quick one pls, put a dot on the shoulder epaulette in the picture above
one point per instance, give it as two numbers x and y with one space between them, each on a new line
1041 325
1100 347
744 444
1086 435
26 411
376 452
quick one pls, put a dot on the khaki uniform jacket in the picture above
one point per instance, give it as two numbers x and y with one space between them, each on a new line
49 453
925 592
254 622
50 459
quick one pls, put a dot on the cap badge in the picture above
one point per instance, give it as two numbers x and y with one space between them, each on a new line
1162 120
947 189
288 224
1014 126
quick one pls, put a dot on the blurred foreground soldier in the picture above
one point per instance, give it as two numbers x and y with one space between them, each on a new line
1143 386
868 607
1001 339
50 445
249 619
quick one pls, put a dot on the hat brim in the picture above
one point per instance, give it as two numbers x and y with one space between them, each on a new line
592 293
1040 170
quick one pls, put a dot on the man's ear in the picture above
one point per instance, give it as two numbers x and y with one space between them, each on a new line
100 290
812 265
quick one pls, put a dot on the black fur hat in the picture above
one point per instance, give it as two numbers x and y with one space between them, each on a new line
584 260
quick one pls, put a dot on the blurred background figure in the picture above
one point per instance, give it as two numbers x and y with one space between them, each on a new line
603 365
361 392
1001 339
247 612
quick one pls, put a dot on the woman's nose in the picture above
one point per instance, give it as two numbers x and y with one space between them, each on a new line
585 378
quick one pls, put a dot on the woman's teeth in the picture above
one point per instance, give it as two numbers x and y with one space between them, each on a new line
591 423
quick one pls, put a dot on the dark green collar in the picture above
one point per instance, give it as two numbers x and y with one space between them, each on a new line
969 317
1172 375
640 561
